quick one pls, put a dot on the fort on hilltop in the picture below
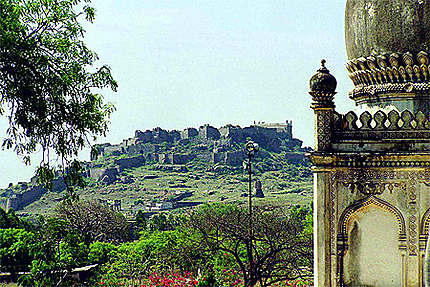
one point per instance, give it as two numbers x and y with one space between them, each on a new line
266 134
206 145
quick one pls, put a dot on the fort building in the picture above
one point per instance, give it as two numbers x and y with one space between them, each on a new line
372 169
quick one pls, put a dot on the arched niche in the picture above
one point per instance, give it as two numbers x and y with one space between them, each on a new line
371 257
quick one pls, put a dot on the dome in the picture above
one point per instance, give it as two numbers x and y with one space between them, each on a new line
323 81
377 27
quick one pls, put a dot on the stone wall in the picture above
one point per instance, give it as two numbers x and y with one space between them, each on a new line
160 135
371 197
180 158
144 137
129 162
30 194
208 144
231 158
106 175
174 136
114 150
267 135
208 132
142 149
189 133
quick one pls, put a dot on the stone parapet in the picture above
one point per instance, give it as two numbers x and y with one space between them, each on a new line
380 131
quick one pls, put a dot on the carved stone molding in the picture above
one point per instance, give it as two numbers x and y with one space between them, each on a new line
372 188
394 68
368 175
412 232
351 163
381 126
323 121
332 212
425 223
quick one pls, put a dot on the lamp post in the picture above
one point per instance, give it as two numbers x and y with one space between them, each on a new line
251 149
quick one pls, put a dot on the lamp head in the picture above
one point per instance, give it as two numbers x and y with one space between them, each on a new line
252 147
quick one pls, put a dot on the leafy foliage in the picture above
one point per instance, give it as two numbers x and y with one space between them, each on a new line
56 251
164 222
10 220
268 247
94 222
46 84
158 251
213 242
15 245
101 252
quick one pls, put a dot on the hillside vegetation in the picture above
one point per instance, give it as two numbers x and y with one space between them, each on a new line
159 170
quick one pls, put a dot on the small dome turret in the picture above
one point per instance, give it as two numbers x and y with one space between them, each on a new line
323 88
323 81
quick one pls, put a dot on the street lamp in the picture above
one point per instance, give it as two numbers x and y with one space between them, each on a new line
251 149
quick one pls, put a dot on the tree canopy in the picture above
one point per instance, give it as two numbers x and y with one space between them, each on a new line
48 80
277 247
93 221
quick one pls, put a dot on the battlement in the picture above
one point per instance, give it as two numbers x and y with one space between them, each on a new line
264 133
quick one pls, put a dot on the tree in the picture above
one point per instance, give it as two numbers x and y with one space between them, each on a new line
164 221
94 222
281 250
158 252
141 220
56 251
47 83
10 220
101 252
15 247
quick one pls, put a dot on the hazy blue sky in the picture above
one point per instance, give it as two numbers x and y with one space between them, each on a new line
183 63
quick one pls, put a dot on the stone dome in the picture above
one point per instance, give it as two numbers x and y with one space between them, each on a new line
323 81
386 26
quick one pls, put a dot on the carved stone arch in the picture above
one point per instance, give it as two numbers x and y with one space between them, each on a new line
425 223
355 207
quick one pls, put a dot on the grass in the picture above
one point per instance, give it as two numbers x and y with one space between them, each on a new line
279 188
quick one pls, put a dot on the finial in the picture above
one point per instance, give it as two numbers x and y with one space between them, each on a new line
323 68
323 61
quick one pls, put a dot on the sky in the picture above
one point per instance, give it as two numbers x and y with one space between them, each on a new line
182 63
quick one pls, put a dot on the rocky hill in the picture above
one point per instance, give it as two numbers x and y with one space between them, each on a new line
159 169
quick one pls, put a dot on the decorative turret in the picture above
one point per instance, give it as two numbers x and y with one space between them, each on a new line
322 87
387 43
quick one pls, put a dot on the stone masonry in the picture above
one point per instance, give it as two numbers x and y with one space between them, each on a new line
372 167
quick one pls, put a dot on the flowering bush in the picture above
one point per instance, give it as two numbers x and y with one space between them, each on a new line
229 278
294 283
156 280
171 280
